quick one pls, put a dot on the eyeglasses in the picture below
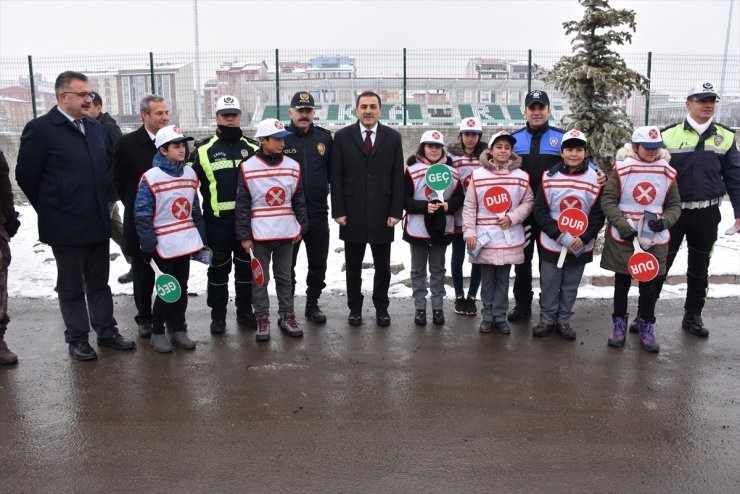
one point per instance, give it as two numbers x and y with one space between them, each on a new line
82 94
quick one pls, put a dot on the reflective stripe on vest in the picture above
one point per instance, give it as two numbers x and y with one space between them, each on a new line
209 170
272 188
465 166
173 222
569 191
516 183
643 187
414 223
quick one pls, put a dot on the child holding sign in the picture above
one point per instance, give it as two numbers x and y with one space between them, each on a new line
568 212
170 227
642 183
497 202
270 219
432 195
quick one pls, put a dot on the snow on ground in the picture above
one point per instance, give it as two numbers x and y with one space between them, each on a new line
33 271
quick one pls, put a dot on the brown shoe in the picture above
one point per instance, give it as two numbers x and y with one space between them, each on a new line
6 356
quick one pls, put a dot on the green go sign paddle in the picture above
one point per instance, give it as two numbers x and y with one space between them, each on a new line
438 178
167 287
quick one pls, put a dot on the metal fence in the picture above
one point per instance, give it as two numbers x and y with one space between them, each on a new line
419 87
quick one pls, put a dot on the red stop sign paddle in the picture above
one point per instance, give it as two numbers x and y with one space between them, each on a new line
642 266
573 221
258 276
498 201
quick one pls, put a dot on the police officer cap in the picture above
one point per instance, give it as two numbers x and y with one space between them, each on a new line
302 99
702 90
536 96
226 105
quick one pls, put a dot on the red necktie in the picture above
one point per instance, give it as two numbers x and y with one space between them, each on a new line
368 141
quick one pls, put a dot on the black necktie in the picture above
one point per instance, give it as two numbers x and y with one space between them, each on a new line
368 141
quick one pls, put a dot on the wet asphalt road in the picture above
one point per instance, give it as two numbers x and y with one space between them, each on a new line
369 409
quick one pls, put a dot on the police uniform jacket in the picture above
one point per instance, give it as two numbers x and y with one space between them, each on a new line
216 162
707 165
64 174
312 150
539 149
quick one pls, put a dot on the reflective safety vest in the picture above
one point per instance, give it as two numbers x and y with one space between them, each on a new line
414 223
272 188
643 187
563 191
516 183
465 165
176 232
225 198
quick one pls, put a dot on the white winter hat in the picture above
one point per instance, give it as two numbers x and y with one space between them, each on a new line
573 135
648 137
432 137
168 134
501 135
271 127
227 105
471 124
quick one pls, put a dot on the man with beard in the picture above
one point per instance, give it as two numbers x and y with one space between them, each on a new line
216 160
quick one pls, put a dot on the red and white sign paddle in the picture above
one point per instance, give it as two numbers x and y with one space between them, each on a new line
642 266
573 221
258 275
498 201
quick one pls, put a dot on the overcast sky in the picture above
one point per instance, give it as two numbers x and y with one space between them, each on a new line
41 27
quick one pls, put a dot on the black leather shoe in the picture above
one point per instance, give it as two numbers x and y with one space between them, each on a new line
519 312
313 313
693 324
502 327
81 350
383 319
117 342
354 319
126 277
145 330
248 321
218 326
420 317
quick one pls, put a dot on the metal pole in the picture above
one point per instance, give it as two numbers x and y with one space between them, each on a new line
33 86
404 86
529 71
647 96
151 71
277 81
198 98
724 63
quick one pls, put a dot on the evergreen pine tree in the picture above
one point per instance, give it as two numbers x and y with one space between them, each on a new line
596 81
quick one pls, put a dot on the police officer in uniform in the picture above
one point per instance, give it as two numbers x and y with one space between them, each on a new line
705 155
216 160
310 145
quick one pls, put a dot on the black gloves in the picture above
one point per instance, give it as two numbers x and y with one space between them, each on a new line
147 256
12 225
656 225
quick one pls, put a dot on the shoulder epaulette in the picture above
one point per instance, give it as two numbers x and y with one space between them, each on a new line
670 126
558 129
252 141
523 129
202 140
724 127
322 129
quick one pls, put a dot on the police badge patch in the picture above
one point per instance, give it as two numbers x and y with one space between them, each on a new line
321 148
717 140
245 153
553 142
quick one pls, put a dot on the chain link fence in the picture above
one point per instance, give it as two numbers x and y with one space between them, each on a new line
418 87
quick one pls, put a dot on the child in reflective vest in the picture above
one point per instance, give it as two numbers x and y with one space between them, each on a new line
429 222
497 202
270 219
641 184
570 184
170 227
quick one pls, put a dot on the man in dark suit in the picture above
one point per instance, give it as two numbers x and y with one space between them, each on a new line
367 201
133 156
63 170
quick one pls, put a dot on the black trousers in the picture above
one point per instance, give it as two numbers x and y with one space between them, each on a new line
317 251
353 255
218 281
699 226
646 302
523 293
172 313
143 277
84 295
